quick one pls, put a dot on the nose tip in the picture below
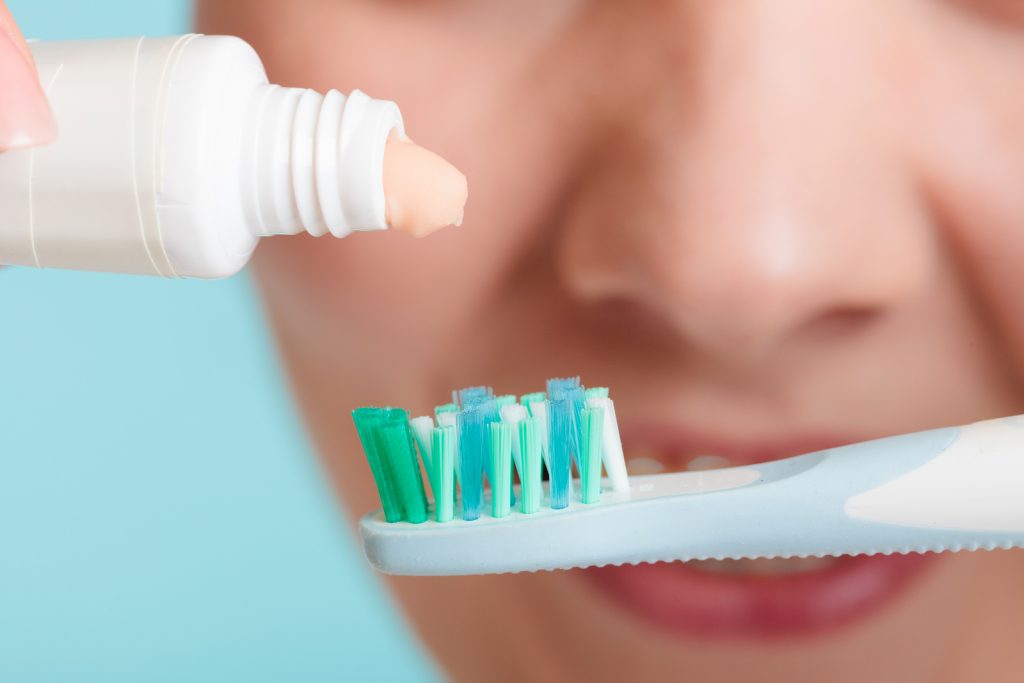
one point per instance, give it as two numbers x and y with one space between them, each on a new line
740 279
745 292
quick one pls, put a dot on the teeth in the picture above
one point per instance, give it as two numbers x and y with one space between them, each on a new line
649 464
764 567
707 462
644 465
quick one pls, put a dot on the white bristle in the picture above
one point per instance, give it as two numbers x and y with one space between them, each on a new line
421 427
539 410
513 414
611 445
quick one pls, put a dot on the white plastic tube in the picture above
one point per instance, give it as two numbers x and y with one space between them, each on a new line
175 156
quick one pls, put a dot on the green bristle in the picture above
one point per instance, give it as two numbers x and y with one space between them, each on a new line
529 456
597 392
506 400
395 442
500 443
592 426
445 408
443 449
367 421
528 399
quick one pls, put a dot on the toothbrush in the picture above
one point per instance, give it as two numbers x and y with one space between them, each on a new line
958 488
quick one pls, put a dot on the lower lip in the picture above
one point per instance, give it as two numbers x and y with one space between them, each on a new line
680 599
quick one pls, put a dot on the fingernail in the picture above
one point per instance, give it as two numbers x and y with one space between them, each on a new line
25 115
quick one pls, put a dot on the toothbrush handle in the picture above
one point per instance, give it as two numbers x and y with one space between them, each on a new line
976 483
944 489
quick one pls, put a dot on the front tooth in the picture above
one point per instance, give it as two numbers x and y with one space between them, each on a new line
707 462
644 465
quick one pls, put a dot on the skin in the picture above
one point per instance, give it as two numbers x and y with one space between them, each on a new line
787 215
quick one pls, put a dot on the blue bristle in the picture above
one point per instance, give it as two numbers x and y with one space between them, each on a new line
558 385
570 389
472 396
472 455
479 410
492 413
560 424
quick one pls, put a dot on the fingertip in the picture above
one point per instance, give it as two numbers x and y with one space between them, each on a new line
8 26
25 116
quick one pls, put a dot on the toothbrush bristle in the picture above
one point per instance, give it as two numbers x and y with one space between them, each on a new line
396 441
480 435
471 428
500 446
529 472
560 421
388 442
443 448
472 396
445 408
590 454
505 400
558 385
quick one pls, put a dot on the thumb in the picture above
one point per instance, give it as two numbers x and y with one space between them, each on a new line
25 115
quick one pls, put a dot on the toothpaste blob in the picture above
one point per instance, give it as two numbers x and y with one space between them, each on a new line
424 193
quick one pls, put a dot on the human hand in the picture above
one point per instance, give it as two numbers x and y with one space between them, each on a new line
25 116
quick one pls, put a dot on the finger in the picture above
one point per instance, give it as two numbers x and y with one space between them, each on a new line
25 115
8 26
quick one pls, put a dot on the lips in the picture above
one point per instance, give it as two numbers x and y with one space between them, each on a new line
748 599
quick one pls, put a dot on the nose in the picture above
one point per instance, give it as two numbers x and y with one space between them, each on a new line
759 198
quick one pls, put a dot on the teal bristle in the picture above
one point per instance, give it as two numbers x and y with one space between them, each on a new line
388 443
500 447
445 408
528 399
506 400
443 448
592 420
597 392
529 473
367 421
396 441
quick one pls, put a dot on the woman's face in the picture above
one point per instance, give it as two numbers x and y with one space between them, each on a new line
769 226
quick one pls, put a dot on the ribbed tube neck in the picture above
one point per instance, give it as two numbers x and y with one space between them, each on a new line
316 162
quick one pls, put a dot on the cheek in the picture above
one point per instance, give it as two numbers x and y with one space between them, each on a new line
970 137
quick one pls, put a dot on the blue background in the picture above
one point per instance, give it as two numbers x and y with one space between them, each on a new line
162 516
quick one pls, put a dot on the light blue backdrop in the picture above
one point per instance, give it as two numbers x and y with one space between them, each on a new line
162 517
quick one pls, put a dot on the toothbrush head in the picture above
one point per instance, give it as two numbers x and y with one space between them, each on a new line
495 441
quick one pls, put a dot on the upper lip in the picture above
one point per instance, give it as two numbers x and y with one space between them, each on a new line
675 445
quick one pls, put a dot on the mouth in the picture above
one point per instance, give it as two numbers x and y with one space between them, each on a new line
764 598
